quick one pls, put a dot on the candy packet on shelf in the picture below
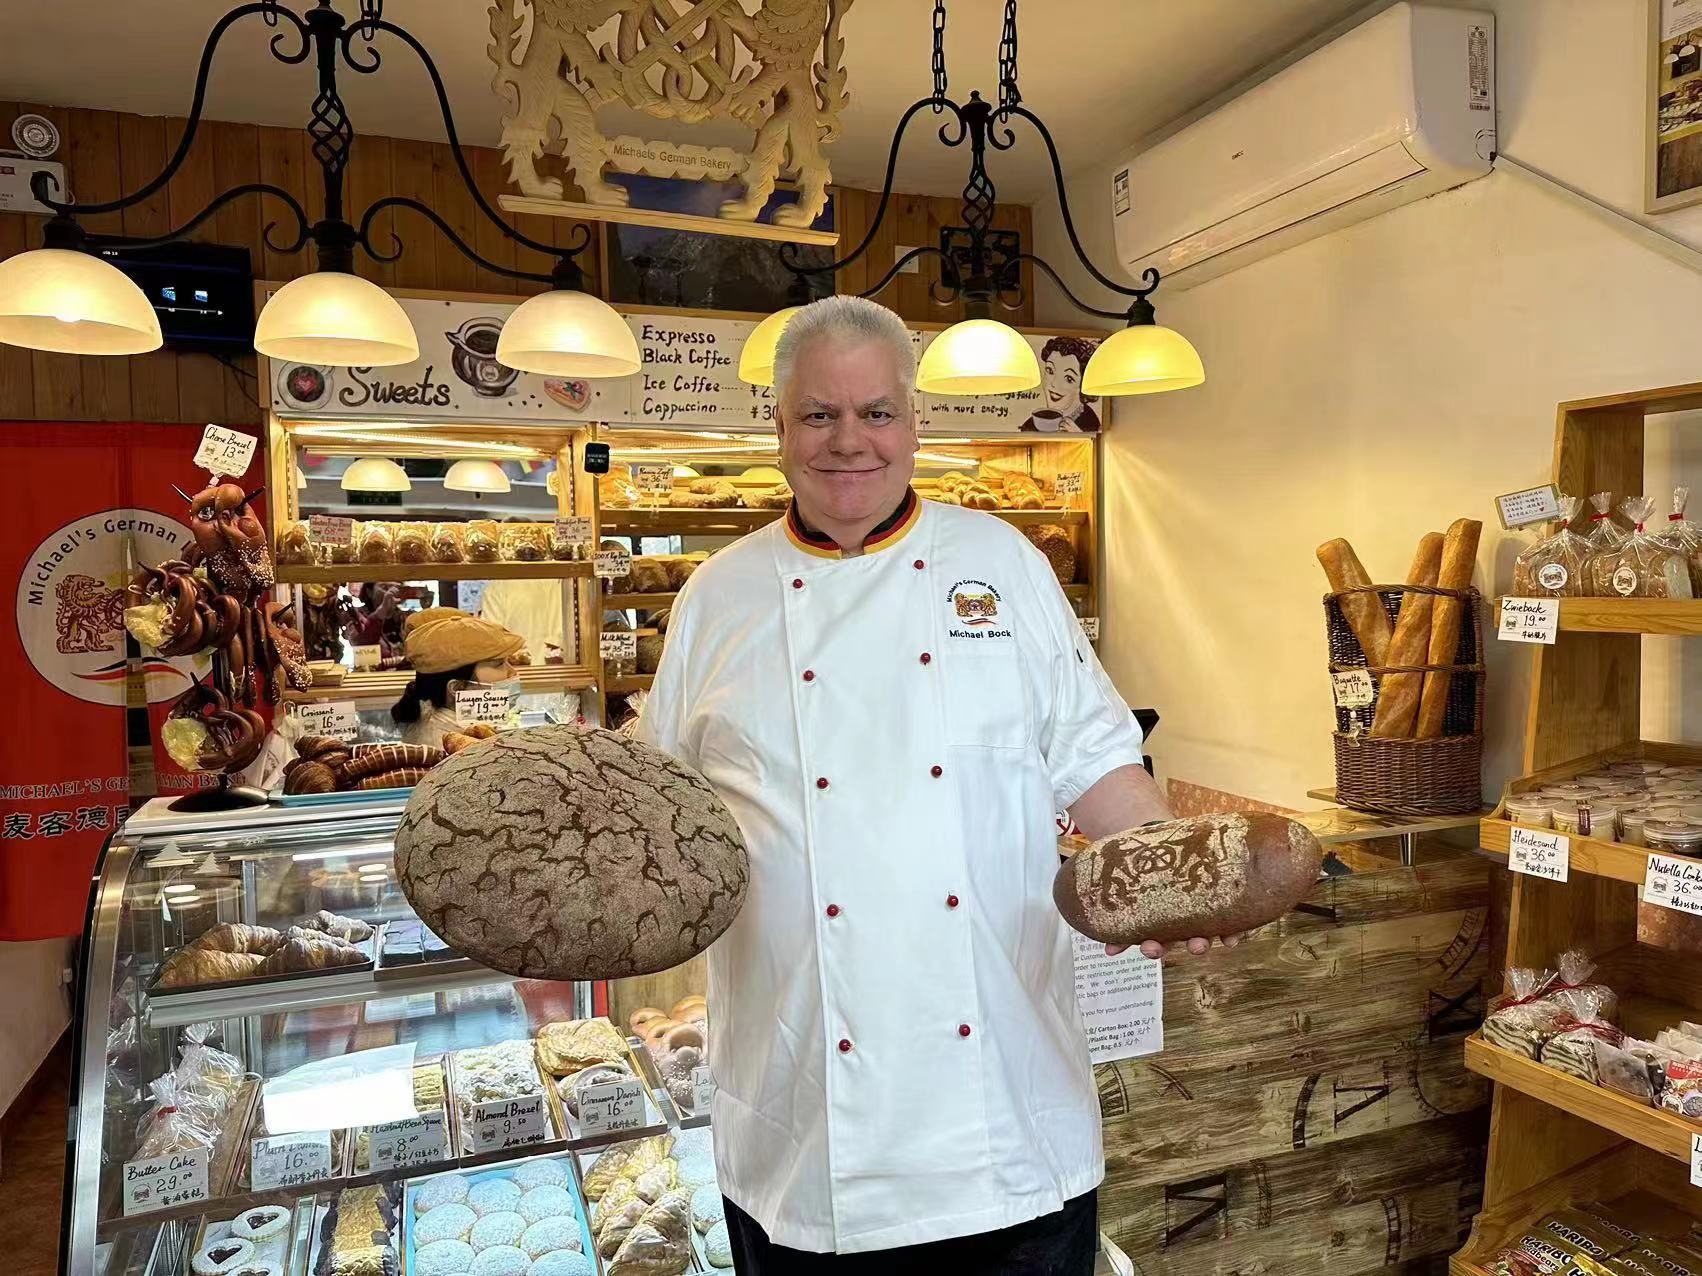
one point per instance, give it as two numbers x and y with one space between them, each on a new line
1641 566
1554 566
1683 1093
1626 1067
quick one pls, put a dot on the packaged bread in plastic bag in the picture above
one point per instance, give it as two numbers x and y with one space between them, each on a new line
1572 972
1554 566
1572 1050
295 546
178 1121
483 541
206 1070
525 542
1524 1019
413 543
1684 537
376 543
1603 532
1641 566
446 543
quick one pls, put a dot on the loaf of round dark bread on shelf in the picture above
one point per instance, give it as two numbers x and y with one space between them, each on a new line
556 853
1207 876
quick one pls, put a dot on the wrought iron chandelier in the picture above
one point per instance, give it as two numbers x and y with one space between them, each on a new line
980 266
61 297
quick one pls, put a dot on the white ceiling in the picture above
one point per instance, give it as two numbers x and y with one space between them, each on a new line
1101 73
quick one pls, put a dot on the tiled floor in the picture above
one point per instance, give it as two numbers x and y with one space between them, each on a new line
32 1171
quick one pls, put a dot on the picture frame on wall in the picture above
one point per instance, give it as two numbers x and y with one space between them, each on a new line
1673 152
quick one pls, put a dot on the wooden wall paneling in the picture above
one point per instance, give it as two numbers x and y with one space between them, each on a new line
941 213
91 152
592 261
1019 217
240 223
200 377
908 294
850 219
452 203
17 373
367 180
56 379
488 239
284 163
142 154
543 229
410 175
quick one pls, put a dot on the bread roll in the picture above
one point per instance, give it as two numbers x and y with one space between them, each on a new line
1208 876
193 967
1398 693
1364 612
1459 557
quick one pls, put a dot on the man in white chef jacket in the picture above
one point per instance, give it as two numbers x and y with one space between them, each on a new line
893 698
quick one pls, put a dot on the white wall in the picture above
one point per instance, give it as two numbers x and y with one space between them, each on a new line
35 1009
1376 384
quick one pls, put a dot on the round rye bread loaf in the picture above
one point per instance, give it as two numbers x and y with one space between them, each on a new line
1208 876
556 853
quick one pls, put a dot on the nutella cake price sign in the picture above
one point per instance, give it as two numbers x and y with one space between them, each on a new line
612 1107
509 1123
1539 854
1673 883
163 1181
415 1140
289 1160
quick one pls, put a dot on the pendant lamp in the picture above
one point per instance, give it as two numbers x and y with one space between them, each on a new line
978 356
330 318
72 302
568 333
756 360
477 477
376 474
1142 359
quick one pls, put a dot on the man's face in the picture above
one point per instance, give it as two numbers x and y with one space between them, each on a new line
847 434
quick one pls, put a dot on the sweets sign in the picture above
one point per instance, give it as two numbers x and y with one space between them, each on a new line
688 379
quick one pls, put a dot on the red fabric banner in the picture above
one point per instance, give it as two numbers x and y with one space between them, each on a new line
82 502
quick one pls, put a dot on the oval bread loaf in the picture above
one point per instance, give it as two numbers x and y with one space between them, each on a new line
1207 876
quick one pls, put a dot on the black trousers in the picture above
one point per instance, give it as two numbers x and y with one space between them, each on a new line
1061 1244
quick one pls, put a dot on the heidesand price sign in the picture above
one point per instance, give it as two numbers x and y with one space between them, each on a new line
611 1107
415 1140
163 1181
1673 883
1539 854
290 1160
225 452
509 1123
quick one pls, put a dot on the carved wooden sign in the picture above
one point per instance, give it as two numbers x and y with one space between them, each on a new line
773 65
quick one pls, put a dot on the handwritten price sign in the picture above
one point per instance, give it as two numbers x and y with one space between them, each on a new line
482 704
164 1181
417 1140
1537 854
509 1123
653 480
702 1087
573 531
1673 883
225 452
289 1160
618 646
612 564
611 1107
336 718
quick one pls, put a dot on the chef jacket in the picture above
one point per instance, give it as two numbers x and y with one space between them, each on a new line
895 1039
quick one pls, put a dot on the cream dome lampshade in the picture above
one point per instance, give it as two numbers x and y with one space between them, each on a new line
72 302
334 319
376 474
756 360
566 333
978 356
1143 359
477 477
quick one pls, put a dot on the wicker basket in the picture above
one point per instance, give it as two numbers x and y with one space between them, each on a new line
1441 776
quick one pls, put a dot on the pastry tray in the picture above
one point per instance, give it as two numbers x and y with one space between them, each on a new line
451 1134
586 1157
342 797
388 966
298 1241
319 1249
369 946
575 1189
684 1118
464 1134
656 1105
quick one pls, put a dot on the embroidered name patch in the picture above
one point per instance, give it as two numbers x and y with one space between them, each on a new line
973 612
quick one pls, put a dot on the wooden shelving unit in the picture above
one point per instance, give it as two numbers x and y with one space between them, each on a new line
346 573
388 684
1555 1140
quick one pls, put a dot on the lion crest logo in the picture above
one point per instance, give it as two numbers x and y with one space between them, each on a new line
976 609
88 614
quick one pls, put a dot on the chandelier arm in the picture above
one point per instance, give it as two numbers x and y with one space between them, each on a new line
1045 268
789 251
363 237
366 26
1069 222
42 182
303 225
915 254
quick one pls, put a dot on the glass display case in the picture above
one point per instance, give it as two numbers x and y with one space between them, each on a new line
269 1047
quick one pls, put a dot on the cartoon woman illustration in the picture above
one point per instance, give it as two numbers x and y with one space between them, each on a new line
1065 412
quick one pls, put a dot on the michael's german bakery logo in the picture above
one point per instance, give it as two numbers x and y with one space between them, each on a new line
975 611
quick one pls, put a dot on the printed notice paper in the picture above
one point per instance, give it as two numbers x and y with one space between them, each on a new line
1121 1000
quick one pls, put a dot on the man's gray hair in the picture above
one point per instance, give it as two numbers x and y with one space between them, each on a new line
852 317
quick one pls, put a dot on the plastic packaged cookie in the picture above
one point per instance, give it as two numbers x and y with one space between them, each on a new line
1684 537
1554 566
1641 566
413 543
1572 1050
1524 1019
446 543
376 543
483 541
525 542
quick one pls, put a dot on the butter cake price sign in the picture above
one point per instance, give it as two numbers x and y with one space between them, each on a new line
289 1160
509 1123
1673 883
611 1107
163 1181
415 1140
1538 854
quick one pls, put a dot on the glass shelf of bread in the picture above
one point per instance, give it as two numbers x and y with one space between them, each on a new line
266 1029
444 501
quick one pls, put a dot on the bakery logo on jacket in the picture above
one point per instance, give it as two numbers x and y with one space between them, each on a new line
71 600
975 611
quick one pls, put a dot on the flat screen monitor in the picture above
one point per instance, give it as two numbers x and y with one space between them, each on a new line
203 293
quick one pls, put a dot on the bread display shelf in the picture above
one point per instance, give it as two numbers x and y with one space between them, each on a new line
1655 1128
735 522
302 992
388 684
659 1113
628 683
347 573
654 602
158 996
1677 616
